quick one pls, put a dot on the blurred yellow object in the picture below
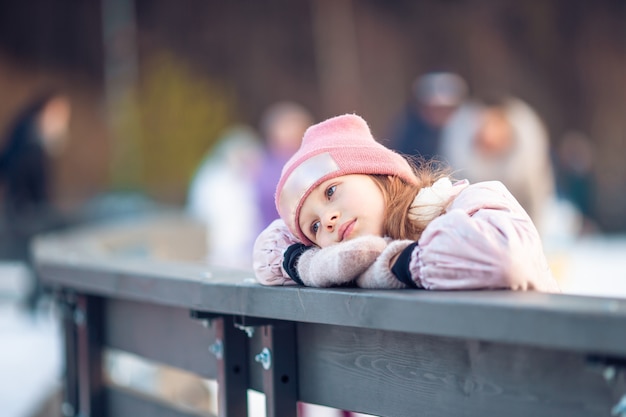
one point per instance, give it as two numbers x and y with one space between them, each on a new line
559 265
168 125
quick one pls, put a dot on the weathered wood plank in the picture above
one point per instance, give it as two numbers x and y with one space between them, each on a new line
399 374
160 333
548 320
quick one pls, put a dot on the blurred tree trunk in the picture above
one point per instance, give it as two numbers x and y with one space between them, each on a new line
336 52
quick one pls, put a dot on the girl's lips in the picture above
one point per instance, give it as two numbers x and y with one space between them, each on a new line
346 229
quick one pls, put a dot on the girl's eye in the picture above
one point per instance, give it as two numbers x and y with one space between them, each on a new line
331 190
315 227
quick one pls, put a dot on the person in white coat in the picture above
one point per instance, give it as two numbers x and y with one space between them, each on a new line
503 139
222 196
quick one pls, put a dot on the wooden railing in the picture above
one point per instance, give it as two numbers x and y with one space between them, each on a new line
138 287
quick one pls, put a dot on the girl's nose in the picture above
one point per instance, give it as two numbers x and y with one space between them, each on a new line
331 221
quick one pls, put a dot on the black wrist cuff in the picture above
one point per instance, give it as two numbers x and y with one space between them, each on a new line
290 258
400 269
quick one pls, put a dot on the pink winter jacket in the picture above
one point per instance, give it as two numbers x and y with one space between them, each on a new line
484 240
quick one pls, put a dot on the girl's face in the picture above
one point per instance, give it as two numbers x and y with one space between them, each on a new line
343 208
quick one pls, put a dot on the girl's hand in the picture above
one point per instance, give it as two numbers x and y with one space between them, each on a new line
341 263
268 252
379 274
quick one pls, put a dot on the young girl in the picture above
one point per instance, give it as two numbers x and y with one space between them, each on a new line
354 212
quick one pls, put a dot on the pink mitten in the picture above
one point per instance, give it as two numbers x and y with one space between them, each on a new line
379 274
267 254
340 263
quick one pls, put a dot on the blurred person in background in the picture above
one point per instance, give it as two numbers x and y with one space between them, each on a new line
503 138
282 127
222 196
434 98
37 136
574 173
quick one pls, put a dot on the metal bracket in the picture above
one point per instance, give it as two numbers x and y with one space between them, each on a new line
610 366
249 324
278 359
204 317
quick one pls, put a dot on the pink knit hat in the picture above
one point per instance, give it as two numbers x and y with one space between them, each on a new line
338 146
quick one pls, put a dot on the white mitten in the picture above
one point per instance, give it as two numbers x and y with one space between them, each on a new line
379 274
340 263
267 254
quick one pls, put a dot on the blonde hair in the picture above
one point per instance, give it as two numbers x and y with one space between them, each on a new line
399 195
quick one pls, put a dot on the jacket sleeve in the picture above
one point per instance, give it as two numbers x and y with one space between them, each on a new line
267 254
485 240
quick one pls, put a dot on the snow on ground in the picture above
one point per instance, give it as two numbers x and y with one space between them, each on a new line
593 266
30 359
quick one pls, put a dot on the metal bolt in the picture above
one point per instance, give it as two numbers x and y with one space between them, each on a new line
609 373
79 317
217 349
264 358
67 409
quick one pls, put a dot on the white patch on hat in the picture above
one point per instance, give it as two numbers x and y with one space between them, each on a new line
301 180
